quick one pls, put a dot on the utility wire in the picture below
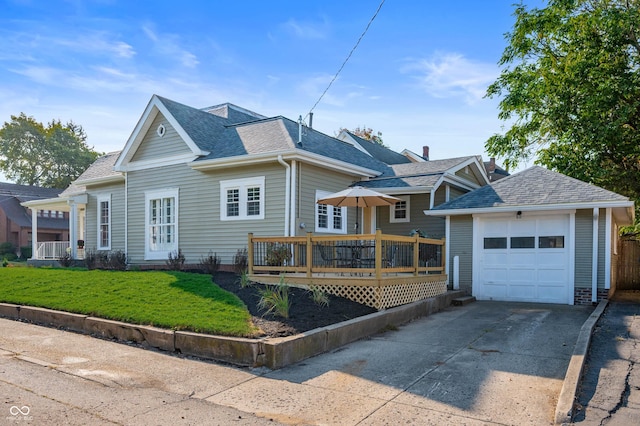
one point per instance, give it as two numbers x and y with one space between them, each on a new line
346 60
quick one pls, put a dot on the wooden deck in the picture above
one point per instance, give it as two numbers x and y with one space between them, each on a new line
377 270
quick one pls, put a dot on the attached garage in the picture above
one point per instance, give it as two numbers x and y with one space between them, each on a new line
524 259
535 236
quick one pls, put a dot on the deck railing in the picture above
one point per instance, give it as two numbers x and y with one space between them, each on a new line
359 254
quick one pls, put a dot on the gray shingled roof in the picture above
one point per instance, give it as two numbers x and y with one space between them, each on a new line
101 168
380 152
26 192
428 167
427 181
11 195
535 186
224 138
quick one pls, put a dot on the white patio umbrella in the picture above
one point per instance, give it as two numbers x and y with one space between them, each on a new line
358 196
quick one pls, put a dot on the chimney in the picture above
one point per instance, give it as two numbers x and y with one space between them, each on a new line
492 165
425 152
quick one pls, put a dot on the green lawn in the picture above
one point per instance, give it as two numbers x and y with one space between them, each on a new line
175 300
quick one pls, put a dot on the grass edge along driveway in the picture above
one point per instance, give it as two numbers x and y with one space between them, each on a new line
173 300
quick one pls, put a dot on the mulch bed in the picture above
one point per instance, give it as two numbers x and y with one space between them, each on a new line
304 313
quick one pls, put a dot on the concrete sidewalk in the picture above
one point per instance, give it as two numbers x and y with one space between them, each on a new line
610 387
484 363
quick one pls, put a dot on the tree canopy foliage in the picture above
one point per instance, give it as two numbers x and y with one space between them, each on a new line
51 156
366 133
570 91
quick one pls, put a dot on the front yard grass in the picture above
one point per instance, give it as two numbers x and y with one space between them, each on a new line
174 300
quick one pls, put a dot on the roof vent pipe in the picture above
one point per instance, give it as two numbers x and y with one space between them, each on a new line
300 129
311 120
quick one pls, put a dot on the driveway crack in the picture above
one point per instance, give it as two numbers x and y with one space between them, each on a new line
624 396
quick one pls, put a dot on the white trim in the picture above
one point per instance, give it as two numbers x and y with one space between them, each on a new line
100 180
545 207
242 185
330 209
607 250
158 162
571 244
447 246
295 154
101 198
293 193
154 195
154 107
412 156
126 214
287 196
392 210
476 241
594 256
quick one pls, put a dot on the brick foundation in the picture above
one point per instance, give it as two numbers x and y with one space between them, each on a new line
582 296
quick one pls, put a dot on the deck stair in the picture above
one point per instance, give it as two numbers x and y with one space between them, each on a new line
464 300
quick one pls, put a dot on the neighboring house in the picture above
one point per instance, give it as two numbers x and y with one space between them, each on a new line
535 236
201 180
16 220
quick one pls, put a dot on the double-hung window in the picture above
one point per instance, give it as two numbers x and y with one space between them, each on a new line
161 217
399 212
330 218
104 222
242 199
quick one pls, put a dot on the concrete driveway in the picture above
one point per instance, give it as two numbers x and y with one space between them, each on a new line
487 362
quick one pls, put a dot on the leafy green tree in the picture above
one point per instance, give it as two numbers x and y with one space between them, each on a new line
570 91
52 156
366 133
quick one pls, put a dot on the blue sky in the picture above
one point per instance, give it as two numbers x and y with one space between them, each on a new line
418 76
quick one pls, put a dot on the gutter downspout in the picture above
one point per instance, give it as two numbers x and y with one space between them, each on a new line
287 195
126 215
294 193
594 259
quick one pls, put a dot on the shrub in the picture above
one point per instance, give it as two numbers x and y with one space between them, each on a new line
241 261
244 279
26 252
91 260
210 263
7 248
117 260
318 296
175 262
66 260
10 257
275 299
5 262
277 254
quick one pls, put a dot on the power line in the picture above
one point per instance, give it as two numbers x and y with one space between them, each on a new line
346 60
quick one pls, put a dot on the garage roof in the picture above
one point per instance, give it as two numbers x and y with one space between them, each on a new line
535 188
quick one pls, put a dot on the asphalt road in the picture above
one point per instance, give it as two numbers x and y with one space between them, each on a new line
484 363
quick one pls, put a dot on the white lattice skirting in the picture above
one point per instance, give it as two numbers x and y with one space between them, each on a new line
388 295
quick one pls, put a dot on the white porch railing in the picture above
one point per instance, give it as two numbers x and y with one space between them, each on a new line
52 250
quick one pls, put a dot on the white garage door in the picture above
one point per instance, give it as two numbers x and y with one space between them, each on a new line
524 259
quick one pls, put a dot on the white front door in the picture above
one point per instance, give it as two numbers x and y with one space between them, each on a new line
524 259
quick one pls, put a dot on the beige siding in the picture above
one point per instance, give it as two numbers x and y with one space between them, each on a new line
584 242
311 178
154 146
455 193
116 191
468 176
461 245
432 226
200 229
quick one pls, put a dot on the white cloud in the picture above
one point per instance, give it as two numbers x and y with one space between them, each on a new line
169 45
447 75
306 30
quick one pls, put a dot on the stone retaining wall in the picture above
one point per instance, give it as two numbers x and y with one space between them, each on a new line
269 352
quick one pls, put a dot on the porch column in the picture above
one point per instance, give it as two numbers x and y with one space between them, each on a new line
594 256
73 229
34 232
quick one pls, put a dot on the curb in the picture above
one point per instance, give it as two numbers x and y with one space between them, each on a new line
564 408
273 353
